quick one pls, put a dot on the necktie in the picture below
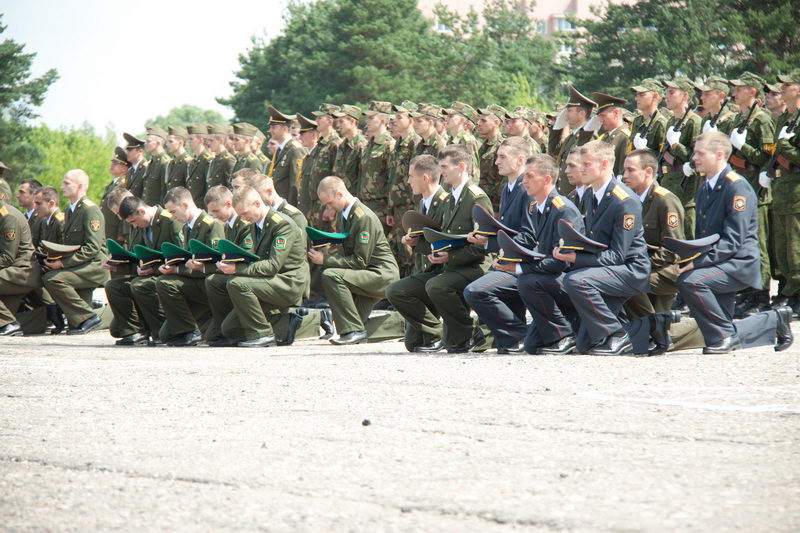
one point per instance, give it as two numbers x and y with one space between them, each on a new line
258 232
595 203
150 235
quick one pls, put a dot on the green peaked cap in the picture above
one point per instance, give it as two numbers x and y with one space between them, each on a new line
148 256
203 253
231 253
119 254
324 238
174 254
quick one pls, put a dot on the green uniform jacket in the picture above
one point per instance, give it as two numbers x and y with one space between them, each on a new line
248 160
285 172
5 191
677 155
165 229
290 211
577 137
786 187
324 157
16 248
490 179
366 247
400 196
206 230
655 135
347 164
135 179
52 229
532 144
430 146
240 233
307 201
262 157
662 216
282 249
114 226
196 176
177 171
457 219
155 179
373 183
423 247
220 169
619 140
84 227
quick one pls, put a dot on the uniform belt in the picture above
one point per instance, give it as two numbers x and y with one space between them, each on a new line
740 163
787 165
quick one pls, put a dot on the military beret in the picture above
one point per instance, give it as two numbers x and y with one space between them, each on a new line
56 251
576 99
376 106
326 109
494 109
488 226
232 253
605 101
245 128
119 255
647 85
414 222
428 110
120 157
443 241
713 83
460 108
572 240
306 124
278 118
349 111
522 112
132 141
158 132
748 79
197 129
321 239
148 256
178 131
689 250
203 253
512 252
792 77
682 83
772 88
220 129
174 255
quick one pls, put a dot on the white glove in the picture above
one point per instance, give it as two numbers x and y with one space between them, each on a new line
738 139
593 124
561 120
639 142
708 127
764 180
688 171
673 136
785 133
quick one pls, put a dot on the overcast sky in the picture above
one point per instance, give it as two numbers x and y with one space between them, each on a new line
121 63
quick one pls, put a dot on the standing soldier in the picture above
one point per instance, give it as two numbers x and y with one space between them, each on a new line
609 113
490 180
120 166
714 96
682 130
650 126
258 142
431 142
198 166
178 166
347 165
538 130
774 100
287 161
458 115
221 166
576 116
309 139
373 185
243 134
518 123
134 152
155 177
324 159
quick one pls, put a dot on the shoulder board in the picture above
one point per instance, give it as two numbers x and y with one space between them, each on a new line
60 217
276 218
208 220
251 155
88 202
146 164
733 176
166 214
207 156
226 155
477 191
558 202
661 191
189 159
619 193
289 207
358 212
442 196
295 143
3 211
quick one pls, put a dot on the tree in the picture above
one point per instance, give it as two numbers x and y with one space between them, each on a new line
768 34
185 115
19 95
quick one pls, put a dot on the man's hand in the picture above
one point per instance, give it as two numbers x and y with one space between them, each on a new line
673 136
568 257
191 264
226 268
409 240
639 142
504 266
54 265
316 257
439 258
108 266
168 269
477 238
146 271
685 268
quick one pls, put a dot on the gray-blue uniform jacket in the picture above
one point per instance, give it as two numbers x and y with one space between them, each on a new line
556 207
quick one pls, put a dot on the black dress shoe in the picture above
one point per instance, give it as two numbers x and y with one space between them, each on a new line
55 317
134 339
783 332
12 329
183 340
460 348
326 323
511 350
86 326
294 324
728 344
616 344
222 342
261 342
154 342
659 331
383 305
434 347
563 346
352 337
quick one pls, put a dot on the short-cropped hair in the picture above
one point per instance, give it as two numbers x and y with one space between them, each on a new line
49 194
544 165
219 194
517 145
647 159
178 195
457 154
716 142
600 150
427 164
129 206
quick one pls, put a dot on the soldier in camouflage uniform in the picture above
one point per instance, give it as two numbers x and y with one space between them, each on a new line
257 146
650 126
198 167
563 140
373 185
490 181
458 116
178 167
221 166
347 164
517 124
323 161
243 134
155 177
425 126
538 130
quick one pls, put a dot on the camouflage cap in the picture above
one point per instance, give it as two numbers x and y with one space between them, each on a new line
605 101
792 77
542 118
460 108
494 109
772 88
326 109
158 132
244 128
681 82
197 129
522 112
377 106
713 83
278 118
647 85
749 79
306 124
220 129
576 99
349 111
178 131
409 106
428 110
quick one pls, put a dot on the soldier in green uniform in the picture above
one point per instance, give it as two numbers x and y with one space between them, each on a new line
321 165
562 139
373 183
221 166
120 166
287 161
71 280
25 196
243 295
5 190
662 216
784 179
219 201
517 124
19 271
243 134
347 164
178 166
538 130
683 127
439 290
488 130
355 279
650 126
113 201
152 227
134 153
156 175
198 167
181 288
458 116
430 142
257 146
265 187
609 113
773 100
46 205
309 139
